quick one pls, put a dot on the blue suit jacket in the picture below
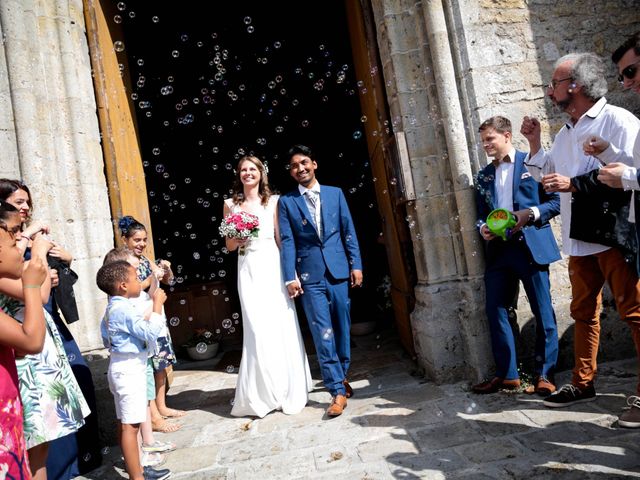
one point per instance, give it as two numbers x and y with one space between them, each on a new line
526 193
302 250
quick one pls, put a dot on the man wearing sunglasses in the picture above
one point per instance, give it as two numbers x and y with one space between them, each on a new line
618 172
595 226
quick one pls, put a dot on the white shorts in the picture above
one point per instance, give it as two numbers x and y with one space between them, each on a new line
128 383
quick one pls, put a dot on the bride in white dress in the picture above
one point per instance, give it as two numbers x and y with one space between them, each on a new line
274 370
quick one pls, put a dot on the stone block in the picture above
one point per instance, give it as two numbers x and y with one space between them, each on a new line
501 449
193 459
490 51
381 448
446 436
403 31
251 448
433 466
294 464
501 425
336 457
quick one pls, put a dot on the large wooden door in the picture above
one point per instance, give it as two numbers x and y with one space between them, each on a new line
120 146
385 151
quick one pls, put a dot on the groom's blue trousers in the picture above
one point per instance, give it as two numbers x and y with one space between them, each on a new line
326 305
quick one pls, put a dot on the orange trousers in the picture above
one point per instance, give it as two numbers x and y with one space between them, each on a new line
587 275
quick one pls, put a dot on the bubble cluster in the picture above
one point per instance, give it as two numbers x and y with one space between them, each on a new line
208 95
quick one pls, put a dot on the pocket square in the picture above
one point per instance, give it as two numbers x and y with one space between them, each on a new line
525 175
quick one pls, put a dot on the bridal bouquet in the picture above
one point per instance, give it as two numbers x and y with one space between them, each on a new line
240 225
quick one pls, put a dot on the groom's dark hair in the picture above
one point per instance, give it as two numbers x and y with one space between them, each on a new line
301 150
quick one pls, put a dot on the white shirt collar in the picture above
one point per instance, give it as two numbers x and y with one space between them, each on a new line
593 112
315 188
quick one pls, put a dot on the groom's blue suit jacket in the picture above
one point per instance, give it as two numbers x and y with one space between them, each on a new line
303 251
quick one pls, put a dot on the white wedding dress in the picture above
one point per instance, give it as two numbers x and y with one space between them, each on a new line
274 370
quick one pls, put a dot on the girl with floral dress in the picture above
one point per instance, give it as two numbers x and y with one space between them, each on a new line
25 337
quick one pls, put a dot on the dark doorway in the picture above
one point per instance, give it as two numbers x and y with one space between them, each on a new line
212 81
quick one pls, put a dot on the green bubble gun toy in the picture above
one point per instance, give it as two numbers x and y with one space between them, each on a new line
500 222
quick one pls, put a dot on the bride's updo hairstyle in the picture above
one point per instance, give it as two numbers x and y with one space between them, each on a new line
263 188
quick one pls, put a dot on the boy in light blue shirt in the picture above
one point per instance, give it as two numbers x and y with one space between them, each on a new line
127 335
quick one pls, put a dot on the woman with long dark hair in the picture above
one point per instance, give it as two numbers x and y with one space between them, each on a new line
78 452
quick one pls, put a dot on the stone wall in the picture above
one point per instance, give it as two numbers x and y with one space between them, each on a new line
511 47
502 53
49 137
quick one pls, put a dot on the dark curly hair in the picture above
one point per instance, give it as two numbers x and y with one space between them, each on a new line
129 226
264 190
6 211
111 274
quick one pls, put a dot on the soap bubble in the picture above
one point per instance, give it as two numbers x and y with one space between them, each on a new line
201 347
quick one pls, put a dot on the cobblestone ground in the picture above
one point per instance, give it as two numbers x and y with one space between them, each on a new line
398 426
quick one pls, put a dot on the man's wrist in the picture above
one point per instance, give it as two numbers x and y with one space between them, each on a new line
532 216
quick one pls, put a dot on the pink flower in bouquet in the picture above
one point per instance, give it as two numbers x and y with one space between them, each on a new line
241 225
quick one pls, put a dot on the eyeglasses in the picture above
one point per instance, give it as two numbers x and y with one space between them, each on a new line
553 84
629 72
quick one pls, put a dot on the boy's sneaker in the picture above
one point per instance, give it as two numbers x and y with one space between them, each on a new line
151 459
159 447
570 394
150 474
631 417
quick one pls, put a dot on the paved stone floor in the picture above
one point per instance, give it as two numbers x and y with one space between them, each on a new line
398 426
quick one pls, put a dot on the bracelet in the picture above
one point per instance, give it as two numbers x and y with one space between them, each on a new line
31 286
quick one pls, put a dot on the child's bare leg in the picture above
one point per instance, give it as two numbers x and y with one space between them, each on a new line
146 430
161 396
38 461
158 423
129 446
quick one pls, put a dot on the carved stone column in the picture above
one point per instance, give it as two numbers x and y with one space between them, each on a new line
449 325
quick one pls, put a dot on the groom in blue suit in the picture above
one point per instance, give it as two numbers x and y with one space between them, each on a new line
525 256
320 259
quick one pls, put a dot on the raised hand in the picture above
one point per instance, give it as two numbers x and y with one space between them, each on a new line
611 175
530 128
159 297
35 272
594 145
40 247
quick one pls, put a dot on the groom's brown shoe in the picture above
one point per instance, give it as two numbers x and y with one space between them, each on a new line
338 404
347 388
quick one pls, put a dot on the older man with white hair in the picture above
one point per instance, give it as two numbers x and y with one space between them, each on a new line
595 228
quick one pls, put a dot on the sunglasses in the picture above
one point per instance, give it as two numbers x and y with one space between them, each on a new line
629 72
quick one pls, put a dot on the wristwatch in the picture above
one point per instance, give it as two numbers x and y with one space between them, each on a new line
532 216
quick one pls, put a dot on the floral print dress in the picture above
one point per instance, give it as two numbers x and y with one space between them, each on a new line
52 400
163 355
13 452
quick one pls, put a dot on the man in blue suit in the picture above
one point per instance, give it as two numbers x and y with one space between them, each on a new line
525 256
320 258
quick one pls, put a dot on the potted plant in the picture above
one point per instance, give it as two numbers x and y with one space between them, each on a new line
203 344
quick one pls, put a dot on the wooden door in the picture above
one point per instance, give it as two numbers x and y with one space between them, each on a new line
120 146
385 160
